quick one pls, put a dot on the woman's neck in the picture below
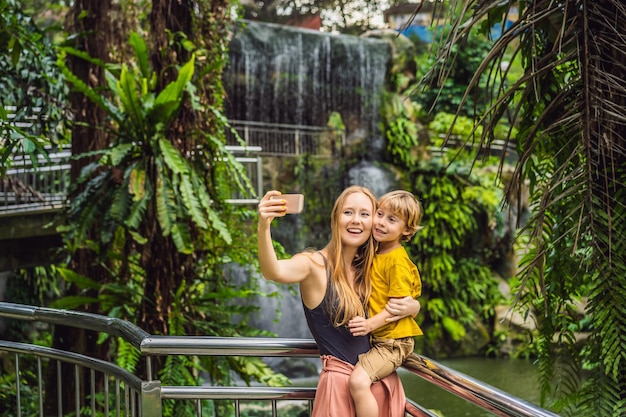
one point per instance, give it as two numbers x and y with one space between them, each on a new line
348 255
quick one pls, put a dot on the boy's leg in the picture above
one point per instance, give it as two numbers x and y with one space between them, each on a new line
360 388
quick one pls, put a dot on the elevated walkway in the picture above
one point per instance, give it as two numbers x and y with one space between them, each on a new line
101 388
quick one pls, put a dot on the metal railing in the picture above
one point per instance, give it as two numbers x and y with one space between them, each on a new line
281 139
35 185
145 397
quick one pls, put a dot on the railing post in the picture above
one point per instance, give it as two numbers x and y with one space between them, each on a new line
259 176
297 142
151 405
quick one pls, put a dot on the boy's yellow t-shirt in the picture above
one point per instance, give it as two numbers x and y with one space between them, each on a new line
394 275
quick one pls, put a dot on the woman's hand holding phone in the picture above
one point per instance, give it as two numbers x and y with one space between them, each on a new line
293 203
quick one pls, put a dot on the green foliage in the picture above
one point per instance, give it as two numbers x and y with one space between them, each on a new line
31 87
28 393
458 283
153 171
451 95
401 131
144 175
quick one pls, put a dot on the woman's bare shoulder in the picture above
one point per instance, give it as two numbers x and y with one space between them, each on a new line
313 256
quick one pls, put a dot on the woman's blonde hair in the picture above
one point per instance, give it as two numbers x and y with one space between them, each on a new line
350 302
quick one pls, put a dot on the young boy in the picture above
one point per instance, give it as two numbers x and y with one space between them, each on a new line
394 275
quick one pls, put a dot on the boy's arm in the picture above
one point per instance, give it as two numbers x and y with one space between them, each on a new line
360 326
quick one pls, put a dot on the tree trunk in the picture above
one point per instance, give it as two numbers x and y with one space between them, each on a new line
91 21
166 268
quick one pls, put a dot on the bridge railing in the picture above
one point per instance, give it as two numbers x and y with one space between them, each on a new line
33 185
125 394
277 139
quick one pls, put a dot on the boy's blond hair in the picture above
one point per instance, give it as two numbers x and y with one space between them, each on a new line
406 206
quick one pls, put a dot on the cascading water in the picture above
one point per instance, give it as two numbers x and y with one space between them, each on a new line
287 75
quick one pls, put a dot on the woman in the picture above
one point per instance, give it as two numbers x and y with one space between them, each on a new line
334 286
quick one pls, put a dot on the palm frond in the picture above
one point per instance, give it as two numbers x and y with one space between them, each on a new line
570 107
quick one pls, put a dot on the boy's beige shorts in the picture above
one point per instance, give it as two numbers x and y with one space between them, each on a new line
385 356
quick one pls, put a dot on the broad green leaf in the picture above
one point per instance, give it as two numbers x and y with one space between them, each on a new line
83 55
138 238
28 147
165 217
172 157
137 210
73 302
188 194
141 53
201 191
137 183
79 280
90 93
220 227
182 238
118 153
121 202
131 101
168 100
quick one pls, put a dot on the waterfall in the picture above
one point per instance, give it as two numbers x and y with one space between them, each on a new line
288 75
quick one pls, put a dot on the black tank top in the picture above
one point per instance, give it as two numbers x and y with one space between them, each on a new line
331 340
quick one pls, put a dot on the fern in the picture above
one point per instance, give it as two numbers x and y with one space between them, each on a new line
130 101
127 356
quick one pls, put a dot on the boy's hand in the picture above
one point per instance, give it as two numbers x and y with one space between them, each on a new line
402 307
358 326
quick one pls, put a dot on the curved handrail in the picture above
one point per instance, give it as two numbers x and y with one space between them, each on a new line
82 320
76 359
477 392
457 383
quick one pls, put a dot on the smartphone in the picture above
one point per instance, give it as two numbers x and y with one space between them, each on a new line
295 202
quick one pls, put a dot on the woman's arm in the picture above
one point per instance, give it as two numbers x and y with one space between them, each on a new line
287 271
